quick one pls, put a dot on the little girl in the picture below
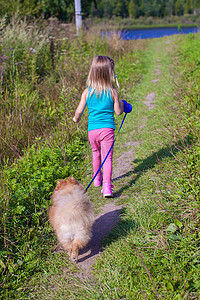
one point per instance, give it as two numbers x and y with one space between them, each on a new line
102 101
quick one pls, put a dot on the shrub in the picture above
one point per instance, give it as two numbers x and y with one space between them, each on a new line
25 196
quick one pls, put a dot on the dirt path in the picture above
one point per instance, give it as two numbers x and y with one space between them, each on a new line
105 221
108 217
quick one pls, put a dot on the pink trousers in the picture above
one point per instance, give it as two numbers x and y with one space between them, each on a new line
101 141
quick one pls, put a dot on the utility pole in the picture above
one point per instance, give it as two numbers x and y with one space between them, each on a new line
78 16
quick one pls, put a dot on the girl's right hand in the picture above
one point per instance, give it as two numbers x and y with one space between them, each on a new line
127 107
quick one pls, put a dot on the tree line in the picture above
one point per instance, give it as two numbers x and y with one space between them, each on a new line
146 8
64 9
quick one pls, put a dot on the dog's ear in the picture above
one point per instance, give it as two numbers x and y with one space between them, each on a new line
58 184
72 180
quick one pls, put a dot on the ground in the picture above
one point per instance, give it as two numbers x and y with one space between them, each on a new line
110 213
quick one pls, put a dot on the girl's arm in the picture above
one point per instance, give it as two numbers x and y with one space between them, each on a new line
118 104
80 109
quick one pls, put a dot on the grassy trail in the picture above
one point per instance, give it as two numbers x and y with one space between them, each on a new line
137 134
119 271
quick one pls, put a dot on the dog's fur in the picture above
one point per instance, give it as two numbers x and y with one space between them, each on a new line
71 215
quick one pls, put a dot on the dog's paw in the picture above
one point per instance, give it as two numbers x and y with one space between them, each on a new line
74 257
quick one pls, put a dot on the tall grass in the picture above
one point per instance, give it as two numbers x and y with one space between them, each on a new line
42 78
37 84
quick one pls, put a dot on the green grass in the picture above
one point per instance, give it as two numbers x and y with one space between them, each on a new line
176 25
165 236
40 143
148 22
154 250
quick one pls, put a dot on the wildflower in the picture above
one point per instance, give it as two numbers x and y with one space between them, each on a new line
32 50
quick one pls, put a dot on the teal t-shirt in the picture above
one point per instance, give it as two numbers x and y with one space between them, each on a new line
101 110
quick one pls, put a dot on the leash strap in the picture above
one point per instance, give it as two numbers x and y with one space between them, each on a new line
107 153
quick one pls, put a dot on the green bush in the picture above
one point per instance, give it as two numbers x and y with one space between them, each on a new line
25 198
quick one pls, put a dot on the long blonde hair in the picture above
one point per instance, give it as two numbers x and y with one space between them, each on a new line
101 75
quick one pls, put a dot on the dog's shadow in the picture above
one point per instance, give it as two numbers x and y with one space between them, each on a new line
102 228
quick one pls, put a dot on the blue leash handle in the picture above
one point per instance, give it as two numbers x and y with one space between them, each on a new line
107 153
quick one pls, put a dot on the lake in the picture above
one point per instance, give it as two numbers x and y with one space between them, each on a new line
149 33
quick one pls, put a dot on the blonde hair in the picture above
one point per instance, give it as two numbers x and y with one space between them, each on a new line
101 75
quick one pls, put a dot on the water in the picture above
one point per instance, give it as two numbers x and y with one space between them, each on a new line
150 33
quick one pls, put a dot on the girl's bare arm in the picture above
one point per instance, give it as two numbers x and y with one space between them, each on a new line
80 109
118 104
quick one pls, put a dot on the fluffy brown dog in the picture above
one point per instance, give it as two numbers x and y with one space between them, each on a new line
71 215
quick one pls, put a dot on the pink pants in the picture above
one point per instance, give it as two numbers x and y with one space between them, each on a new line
101 141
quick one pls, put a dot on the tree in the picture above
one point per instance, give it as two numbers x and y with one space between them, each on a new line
141 9
179 7
22 8
118 8
56 8
132 9
147 8
108 8
155 8
188 9
162 5
169 8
